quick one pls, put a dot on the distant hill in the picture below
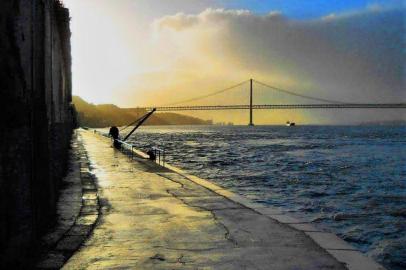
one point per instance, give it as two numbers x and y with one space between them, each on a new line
107 115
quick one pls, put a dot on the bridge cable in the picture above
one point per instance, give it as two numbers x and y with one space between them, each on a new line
205 96
299 95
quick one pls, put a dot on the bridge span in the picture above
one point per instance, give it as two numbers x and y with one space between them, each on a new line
280 107
325 103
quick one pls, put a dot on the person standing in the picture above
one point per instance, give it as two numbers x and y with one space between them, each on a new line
115 134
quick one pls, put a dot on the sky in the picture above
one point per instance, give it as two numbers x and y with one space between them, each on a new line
153 52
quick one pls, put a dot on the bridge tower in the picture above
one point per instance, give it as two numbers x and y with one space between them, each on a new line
251 121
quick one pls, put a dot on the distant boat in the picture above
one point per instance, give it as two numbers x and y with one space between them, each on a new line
290 124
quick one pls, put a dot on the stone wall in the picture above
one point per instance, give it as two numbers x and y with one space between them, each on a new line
36 120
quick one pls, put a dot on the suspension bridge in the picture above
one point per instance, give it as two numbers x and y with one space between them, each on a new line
325 103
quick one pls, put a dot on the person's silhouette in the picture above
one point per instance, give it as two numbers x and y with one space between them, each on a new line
114 132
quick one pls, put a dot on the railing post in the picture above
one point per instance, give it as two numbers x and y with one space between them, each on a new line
251 121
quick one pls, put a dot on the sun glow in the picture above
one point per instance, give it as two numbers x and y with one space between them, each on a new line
142 53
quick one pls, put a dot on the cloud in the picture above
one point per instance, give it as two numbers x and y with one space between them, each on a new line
181 21
354 57
178 22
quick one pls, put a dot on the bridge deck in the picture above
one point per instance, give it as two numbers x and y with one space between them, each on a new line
282 107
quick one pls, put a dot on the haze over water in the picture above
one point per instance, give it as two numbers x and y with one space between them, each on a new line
347 179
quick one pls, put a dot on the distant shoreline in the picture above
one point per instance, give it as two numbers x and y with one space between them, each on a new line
107 115
268 125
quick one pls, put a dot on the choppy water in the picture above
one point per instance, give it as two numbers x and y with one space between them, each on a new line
349 180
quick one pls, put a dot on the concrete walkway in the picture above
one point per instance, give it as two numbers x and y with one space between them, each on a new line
153 218
77 212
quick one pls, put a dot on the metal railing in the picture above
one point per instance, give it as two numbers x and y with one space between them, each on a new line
130 150
159 155
127 148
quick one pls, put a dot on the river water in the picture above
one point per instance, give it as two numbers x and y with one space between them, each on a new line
346 179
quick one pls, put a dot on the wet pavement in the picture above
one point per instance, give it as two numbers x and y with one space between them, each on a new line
154 218
77 211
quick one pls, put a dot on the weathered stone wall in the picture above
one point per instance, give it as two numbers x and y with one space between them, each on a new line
36 120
